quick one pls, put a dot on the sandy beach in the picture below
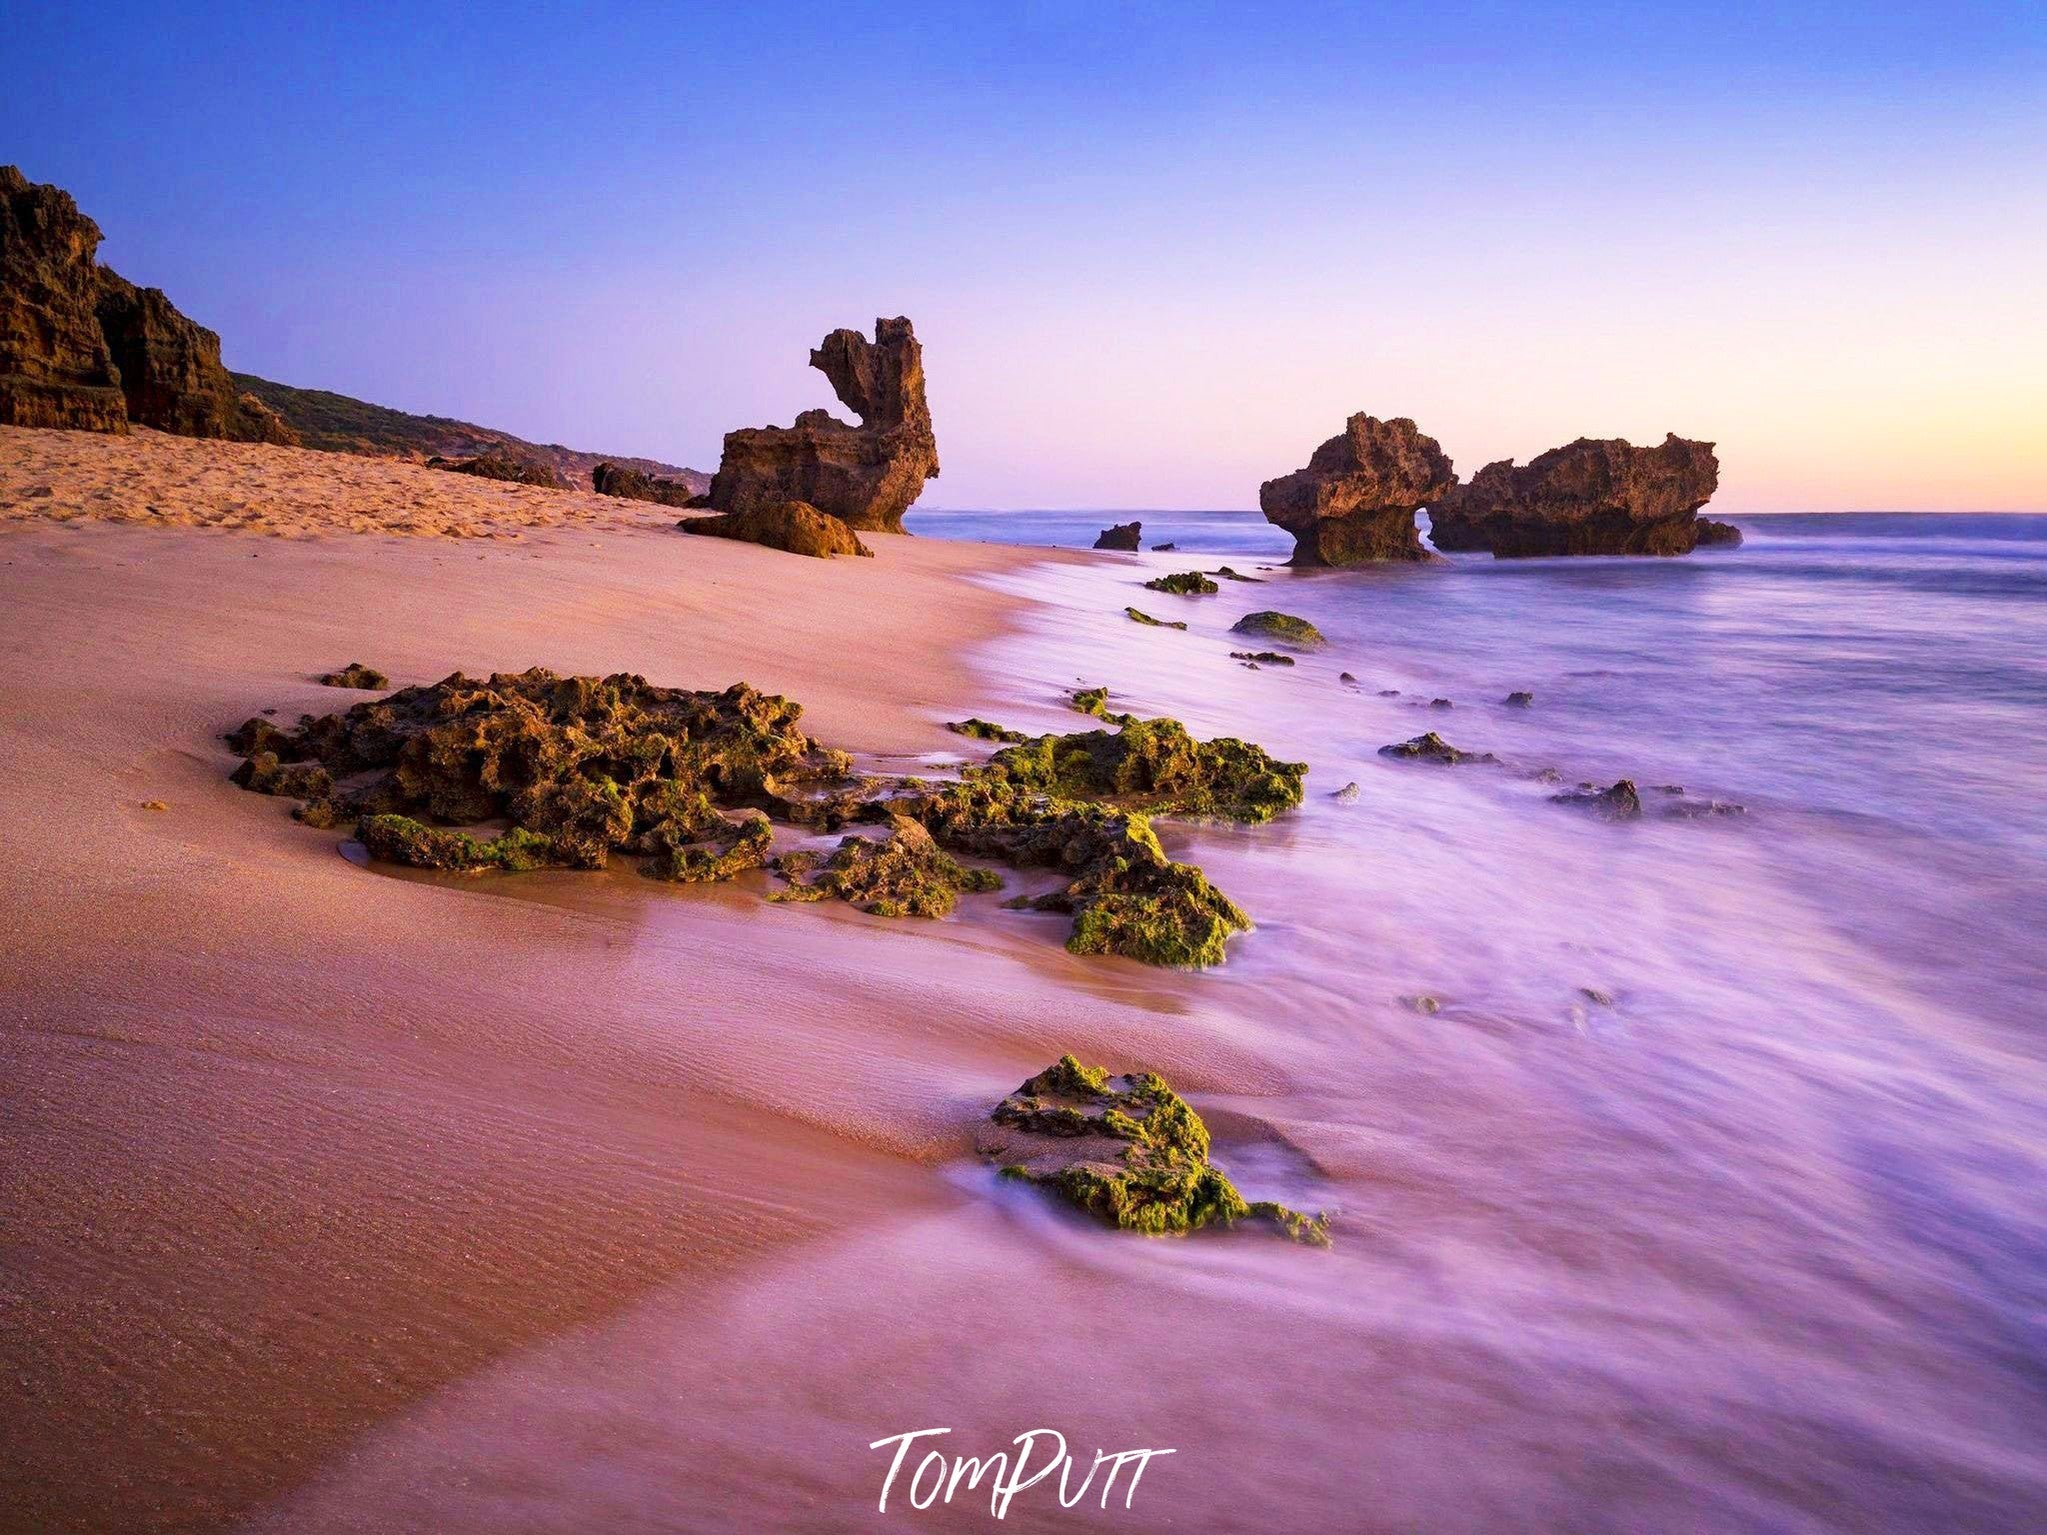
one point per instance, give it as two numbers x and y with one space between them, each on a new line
289 1144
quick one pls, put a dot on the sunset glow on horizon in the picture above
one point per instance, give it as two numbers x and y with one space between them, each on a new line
1155 255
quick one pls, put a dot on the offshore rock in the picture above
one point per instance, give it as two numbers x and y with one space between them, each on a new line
792 527
55 369
1711 532
1587 497
1356 500
867 475
1124 535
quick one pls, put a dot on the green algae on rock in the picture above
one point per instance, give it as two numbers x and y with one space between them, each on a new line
1130 1151
1185 583
1620 802
904 874
1137 616
1262 657
1283 627
985 730
1430 747
1156 766
355 675
580 767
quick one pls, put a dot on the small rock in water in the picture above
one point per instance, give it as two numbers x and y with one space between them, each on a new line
1618 803
1422 1004
1548 775
1431 747
1594 995
1670 788
1347 795
1389 692
1283 627
1520 700
1136 616
1702 809
1123 535
1345 677
1268 657
1441 703
1236 575
1185 583
1163 548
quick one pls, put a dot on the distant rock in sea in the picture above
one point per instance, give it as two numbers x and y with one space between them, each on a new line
1587 497
55 368
867 475
1711 532
1124 535
1356 500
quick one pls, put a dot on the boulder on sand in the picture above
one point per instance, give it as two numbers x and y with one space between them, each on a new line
1356 500
865 475
1587 497
1124 535
793 527
618 480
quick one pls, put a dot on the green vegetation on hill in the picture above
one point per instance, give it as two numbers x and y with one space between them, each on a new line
335 423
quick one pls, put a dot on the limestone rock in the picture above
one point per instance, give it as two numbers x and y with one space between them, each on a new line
1587 497
1357 498
55 369
499 466
1711 532
170 368
1124 535
792 526
867 475
633 485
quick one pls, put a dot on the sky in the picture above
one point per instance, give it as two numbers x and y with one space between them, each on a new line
1155 253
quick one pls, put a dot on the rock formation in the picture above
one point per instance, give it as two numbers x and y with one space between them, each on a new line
1711 532
617 480
1357 498
793 527
1588 497
500 466
170 369
865 475
82 347
1124 535
55 370
1283 627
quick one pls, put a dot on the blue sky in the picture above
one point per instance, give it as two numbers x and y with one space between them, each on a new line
1156 253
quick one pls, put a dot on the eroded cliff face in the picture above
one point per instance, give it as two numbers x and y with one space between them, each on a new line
1588 497
867 475
1356 500
82 347
170 369
55 368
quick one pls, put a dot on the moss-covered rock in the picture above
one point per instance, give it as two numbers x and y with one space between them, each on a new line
985 730
587 766
1430 747
1130 1151
1156 766
1262 657
355 675
1281 627
904 874
1185 583
1137 616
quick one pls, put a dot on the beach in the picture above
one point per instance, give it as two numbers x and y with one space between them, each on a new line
351 1200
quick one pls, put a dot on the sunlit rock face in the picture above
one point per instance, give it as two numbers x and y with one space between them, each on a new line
1587 497
867 475
1356 500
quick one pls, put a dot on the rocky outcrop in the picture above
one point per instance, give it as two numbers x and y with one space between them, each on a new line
1283 627
865 475
1356 500
793 527
55 369
1711 532
499 466
633 485
1587 497
1124 535
170 369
